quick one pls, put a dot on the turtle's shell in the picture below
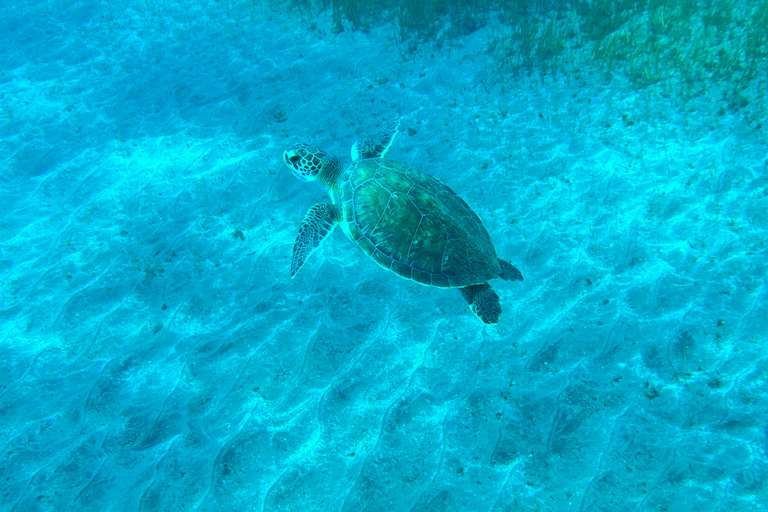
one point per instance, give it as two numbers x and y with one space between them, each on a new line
414 225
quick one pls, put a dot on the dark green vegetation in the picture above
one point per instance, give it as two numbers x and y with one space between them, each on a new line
649 41
422 17
691 43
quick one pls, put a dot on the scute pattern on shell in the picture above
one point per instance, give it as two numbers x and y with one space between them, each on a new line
414 225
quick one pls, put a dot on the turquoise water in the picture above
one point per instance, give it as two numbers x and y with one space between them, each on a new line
155 354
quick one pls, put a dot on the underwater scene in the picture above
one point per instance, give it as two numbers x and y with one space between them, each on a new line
523 266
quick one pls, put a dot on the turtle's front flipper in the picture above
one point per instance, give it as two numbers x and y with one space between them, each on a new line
318 222
376 146
483 302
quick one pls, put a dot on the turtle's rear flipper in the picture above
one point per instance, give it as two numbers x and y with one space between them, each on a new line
318 222
509 272
483 302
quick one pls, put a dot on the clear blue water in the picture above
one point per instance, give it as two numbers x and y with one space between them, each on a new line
155 354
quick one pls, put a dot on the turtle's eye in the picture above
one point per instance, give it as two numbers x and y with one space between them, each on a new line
294 159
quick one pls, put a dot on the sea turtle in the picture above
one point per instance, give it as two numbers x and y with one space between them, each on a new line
407 221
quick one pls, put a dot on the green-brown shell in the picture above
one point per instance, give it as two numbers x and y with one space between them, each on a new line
412 224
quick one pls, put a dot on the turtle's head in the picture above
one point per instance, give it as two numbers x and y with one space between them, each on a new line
309 163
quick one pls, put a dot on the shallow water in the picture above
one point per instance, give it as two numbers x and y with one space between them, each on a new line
157 356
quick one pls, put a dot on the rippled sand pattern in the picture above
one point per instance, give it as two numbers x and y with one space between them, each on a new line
155 354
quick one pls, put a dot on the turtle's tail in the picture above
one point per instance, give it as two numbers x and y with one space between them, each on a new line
509 272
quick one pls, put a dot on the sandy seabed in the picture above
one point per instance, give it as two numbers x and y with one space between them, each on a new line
156 355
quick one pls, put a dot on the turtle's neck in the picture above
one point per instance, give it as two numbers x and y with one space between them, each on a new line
329 173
